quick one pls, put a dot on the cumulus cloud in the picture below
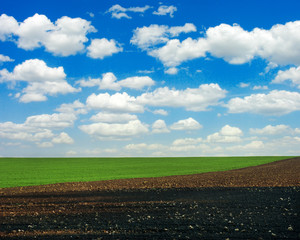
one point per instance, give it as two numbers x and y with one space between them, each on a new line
143 146
113 117
8 26
176 52
193 99
159 126
39 129
147 37
118 12
52 121
292 75
73 108
132 128
172 71
252 148
165 10
232 43
271 130
65 37
161 112
244 85
227 134
275 103
4 58
187 141
109 81
186 124
42 80
119 102
258 87
101 48
63 138
278 45
137 82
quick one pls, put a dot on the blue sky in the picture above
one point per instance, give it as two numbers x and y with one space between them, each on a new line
149 78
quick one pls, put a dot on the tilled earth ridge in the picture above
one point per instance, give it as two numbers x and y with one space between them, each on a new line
253 203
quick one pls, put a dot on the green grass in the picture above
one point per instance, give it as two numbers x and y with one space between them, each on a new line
39 171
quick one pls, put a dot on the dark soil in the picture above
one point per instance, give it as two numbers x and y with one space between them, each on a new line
253 203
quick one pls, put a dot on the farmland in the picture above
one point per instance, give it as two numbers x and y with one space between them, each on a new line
259 202
39 171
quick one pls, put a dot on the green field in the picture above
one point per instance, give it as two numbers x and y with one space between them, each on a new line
38 171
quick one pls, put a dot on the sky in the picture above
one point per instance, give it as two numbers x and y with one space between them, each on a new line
132 78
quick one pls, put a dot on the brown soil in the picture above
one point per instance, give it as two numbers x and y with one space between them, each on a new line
259 202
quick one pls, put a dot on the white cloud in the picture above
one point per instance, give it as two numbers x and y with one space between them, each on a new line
53 121
42 80
137 82
252 148
193 99
35 70
68 37
186 28
74 108
63 138
4 58
109 81
232 43
292 74
91 14
260 88
186 124
271 130
141 147
270 66
275 103
165 10
176 52
172 71
44 144
8 26
71 153
279 45
159 126
119 15
118 12
244 85
37 128
161 112
145 71
119 102
187 141
184 148
91 82
132 128
147 37
113 117
101 48
65 37
227 134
